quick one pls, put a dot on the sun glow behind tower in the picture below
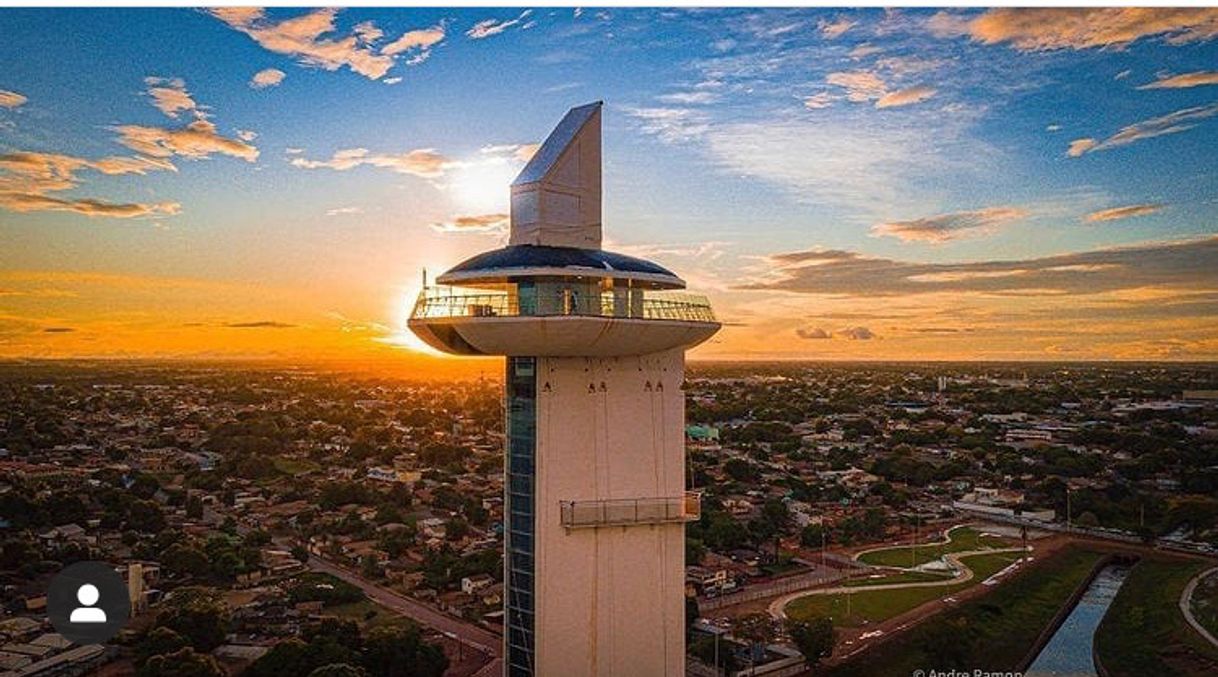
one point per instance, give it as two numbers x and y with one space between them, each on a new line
595 343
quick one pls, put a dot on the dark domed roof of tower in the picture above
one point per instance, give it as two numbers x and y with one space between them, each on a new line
533 259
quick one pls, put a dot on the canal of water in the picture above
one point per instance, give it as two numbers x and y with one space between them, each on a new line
1068 652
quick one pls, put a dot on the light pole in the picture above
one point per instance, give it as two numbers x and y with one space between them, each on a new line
1069 529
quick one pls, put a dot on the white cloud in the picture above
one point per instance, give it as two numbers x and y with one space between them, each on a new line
818 101
870 165
905 97
671 124
834 29
1172 123
690 98
860 86
267 77
488 27
169 95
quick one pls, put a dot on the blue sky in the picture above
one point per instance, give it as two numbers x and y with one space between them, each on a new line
734 138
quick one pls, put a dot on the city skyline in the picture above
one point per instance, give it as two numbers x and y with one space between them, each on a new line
843 184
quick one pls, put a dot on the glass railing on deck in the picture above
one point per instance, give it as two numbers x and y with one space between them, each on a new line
623 512
440 302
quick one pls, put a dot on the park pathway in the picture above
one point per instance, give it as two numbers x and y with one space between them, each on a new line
1186 606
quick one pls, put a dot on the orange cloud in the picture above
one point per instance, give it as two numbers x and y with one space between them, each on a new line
1042 29
422 39
11 99
28 179
1184 80
196 140
33 202
302 37
945 227
1122 213
422 162
478 223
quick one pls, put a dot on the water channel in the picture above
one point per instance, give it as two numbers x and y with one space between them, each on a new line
1068 652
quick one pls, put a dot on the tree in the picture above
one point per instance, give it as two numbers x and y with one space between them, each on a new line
145 516
339 670
157 642
295 657
369 567
691 614
185 560
399 651
813 637
813 536
184 662
194 507
198 615
344 632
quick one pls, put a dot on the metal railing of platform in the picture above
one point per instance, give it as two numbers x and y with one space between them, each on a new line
448 302
628 511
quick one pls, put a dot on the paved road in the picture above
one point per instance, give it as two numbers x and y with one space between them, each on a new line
469 635
1186 605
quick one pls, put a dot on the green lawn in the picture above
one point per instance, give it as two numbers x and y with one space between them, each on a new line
870 606
1205 603
992 632
294 466
963 540
367 613
1144 632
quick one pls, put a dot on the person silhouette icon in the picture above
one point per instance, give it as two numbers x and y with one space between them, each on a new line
89 602
87 595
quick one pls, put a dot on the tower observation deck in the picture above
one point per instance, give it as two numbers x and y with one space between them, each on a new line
595 490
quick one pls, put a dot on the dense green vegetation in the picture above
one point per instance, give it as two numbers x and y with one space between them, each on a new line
963 539
871 606
993 632
1144 632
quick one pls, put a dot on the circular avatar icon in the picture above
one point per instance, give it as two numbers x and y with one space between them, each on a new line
88 602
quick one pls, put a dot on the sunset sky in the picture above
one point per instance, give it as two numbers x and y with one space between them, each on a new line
842 184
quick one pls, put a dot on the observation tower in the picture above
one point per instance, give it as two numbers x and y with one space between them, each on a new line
596 499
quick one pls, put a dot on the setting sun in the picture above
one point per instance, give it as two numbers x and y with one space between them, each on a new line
482 186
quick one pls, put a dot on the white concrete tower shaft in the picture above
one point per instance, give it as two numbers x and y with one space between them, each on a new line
596 502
